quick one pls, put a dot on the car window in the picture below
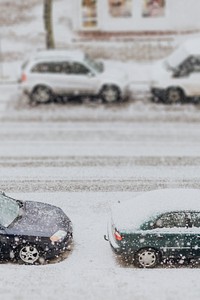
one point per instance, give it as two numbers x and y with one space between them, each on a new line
77 68
41 68
189 65
9 210
55 67
171 220
67 68
195 219
98 66
185 68
195 64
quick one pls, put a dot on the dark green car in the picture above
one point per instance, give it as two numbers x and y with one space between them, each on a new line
157 225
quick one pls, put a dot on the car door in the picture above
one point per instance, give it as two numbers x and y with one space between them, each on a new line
4 243
192 85
170 232
49 74
80 79
195 234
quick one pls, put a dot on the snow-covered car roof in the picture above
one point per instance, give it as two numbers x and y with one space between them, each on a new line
129 215
54 54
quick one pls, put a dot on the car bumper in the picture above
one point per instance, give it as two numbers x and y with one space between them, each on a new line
114 245
126 93
55 249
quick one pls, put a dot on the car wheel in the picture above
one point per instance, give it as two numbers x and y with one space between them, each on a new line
41 94
174 95
110 93
30 254
147 258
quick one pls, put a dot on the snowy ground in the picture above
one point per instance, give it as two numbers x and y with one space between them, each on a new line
84 157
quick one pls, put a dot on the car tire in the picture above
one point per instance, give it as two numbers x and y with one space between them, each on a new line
41 95
174 95
110 93
30 254
147 258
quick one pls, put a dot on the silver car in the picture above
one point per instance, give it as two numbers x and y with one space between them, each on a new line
72 73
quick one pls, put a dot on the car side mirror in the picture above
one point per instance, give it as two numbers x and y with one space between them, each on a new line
2 228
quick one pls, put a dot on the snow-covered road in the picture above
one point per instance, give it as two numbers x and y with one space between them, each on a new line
83 164
91 270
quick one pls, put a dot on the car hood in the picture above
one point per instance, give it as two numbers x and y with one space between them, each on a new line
113 71
135 72
160 72
40 219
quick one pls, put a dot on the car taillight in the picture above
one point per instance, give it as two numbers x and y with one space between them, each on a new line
23 77
117 235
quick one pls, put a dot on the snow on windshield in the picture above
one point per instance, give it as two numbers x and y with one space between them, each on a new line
177 57
9 210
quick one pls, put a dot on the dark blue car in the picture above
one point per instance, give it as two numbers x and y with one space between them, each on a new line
32 232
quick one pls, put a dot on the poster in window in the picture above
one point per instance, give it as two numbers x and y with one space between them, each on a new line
120 8
89 13
153 8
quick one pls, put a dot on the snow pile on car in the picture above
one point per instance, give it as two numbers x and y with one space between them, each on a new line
130 214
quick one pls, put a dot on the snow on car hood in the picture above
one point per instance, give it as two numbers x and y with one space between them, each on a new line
113 71
138 72
40 219
130 215
134 72
159 71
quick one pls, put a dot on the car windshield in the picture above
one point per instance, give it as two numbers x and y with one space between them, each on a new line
176 58
97 66
9 210
167 66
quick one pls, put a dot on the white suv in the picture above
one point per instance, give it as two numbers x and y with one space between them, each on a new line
71 73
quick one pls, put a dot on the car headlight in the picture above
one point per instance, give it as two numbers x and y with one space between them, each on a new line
58 236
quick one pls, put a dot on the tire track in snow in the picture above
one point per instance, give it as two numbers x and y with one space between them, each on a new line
90 161
136 185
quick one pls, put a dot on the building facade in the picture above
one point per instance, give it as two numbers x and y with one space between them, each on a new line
136 16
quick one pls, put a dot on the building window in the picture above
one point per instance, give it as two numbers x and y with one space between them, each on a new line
153 8
120 8
89 13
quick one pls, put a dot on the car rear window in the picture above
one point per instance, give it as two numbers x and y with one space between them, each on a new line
171 220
